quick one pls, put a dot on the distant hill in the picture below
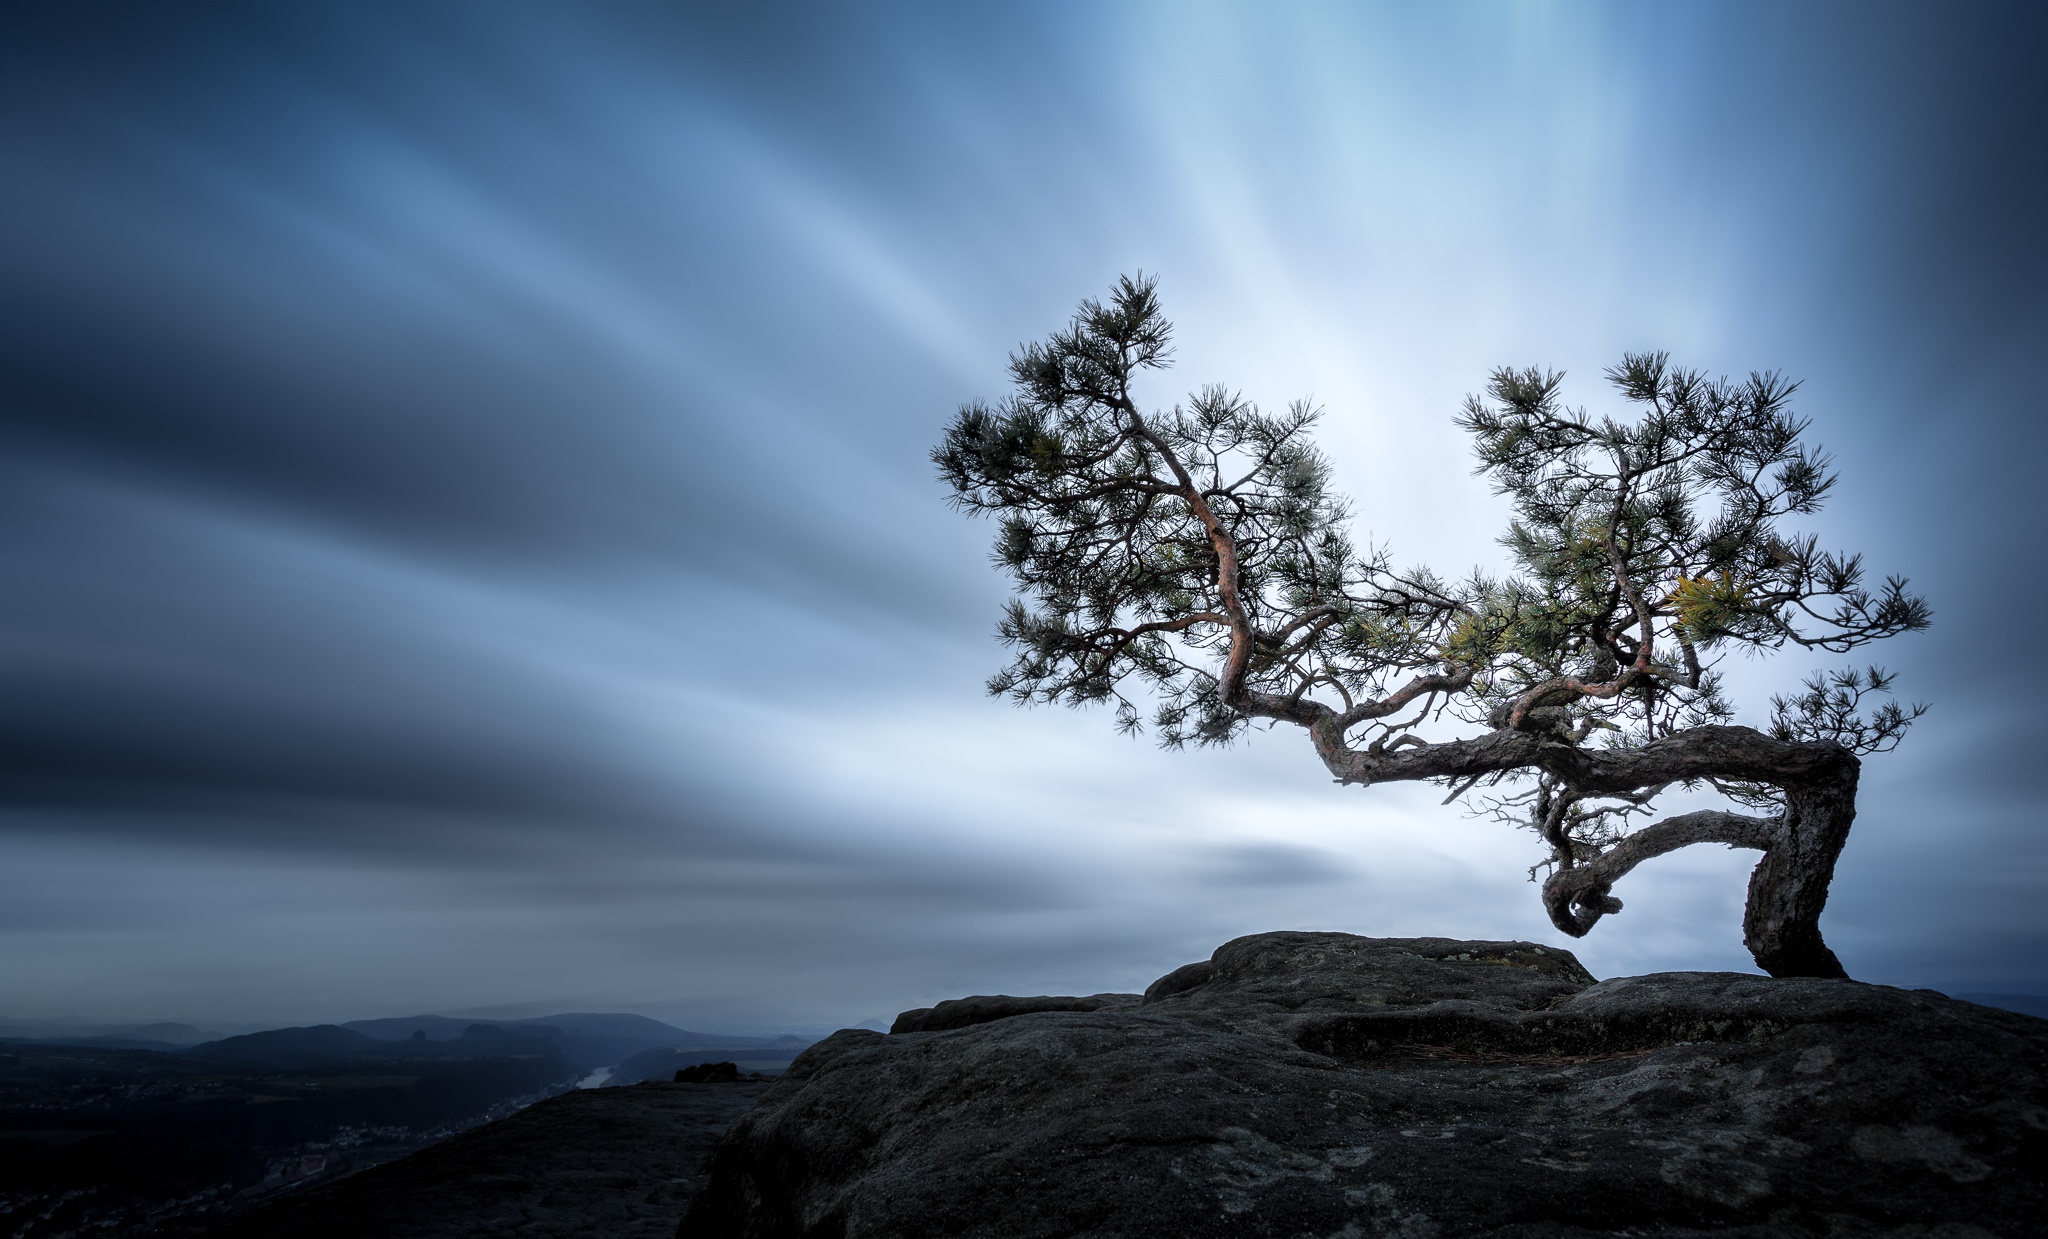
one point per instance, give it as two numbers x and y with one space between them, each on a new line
597 1040
436 1027
483 1041
157 1036
295 1049
2025 1004
114 1043
581 1025
583 1040
590 1039
288 1049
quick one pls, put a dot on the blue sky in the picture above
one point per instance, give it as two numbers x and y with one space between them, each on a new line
471 542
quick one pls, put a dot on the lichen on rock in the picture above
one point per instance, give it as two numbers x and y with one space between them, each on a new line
1303 1084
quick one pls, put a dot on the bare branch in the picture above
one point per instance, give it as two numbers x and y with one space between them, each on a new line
1577 897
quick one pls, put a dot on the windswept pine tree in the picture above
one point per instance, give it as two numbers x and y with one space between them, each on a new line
1192 564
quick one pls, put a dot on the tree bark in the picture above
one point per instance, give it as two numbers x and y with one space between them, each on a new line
1789 888
1576 897
1787 891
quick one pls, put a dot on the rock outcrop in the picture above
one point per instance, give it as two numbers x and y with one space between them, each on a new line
1303 1084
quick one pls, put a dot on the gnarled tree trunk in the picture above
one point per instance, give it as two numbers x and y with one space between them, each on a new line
1789 887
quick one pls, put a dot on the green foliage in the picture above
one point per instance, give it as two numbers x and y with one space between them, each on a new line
1644 548
1831 708
1646 544
1118 576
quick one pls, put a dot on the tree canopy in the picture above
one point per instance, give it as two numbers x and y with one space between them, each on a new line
1192 568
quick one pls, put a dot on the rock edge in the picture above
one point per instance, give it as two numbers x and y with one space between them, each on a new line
1301 1084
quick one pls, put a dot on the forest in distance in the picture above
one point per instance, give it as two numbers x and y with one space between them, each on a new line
133 1135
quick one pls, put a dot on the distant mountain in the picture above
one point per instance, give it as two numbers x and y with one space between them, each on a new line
175 1034
295 1049
2025 1004
618 1027
583 1040
605 1040
483 1041
111 1043
590 1039
581 1025
288 1049
158 1036
436 1027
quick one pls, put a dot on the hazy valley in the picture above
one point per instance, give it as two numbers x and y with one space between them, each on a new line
126 1129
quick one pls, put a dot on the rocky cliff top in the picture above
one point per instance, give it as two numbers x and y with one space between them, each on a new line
1303 1084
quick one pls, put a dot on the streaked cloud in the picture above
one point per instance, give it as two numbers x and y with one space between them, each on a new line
472 543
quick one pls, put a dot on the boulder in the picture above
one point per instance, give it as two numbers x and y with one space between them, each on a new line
709 1073
1316 1084
981 1008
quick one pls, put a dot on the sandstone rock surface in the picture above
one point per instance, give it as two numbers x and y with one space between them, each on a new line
1303 1084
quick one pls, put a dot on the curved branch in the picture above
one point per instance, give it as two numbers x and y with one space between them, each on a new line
1230 682
1689 756
1450 682
1322 615
1573 688
1578 897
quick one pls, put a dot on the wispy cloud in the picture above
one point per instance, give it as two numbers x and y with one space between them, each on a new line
472 544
